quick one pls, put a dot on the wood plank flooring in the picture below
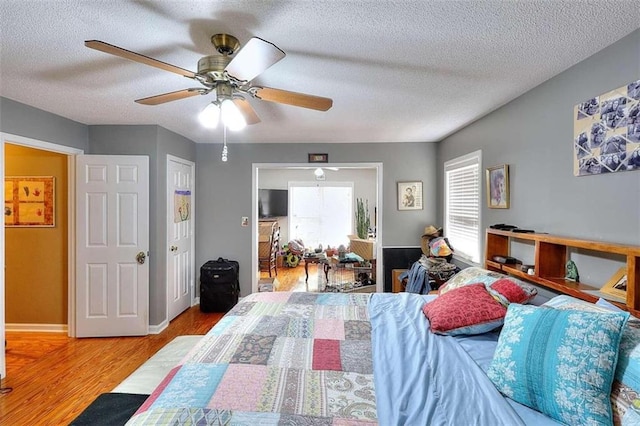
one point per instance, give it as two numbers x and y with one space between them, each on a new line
55 377
293 279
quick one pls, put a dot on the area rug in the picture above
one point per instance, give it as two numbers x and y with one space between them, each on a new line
110 409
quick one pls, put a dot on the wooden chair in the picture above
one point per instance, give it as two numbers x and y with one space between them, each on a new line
269 246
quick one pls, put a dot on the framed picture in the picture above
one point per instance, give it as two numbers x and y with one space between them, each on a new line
318 158
617 285
29 201
410 195
498 187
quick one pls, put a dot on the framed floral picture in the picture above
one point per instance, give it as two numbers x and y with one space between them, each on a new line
498 187
410 195
29 201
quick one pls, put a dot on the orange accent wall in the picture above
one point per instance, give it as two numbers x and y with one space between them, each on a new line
36 259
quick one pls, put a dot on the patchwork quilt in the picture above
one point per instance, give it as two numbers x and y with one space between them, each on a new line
275 358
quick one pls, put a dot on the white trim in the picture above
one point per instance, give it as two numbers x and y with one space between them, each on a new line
191 230
37 328
61 149
255 271
35 143
157 329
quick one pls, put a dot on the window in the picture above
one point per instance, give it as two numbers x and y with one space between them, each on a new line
462 204
321 213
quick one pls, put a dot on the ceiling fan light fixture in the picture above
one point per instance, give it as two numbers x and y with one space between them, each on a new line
232 116
210 116
318 172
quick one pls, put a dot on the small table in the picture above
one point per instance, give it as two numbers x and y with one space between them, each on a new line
319 260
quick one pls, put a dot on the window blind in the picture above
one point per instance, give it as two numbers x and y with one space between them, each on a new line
462 205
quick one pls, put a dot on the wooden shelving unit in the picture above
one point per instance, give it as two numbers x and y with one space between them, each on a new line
550 263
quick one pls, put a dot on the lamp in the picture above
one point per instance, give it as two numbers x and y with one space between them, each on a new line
223 108
226 111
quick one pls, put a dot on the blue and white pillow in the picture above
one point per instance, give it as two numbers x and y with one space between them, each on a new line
549 359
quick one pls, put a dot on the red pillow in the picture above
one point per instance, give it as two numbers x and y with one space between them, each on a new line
465 310
511 291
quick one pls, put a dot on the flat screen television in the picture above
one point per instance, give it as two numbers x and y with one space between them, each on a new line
273 203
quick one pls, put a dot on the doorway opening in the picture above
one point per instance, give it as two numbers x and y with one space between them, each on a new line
366 181
10 139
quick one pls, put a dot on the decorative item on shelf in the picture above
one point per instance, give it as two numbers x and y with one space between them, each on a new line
572 272
507 260
525 268
617 285
498 187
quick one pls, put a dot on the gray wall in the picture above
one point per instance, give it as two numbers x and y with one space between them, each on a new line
24 120
224 192
534 135
155 142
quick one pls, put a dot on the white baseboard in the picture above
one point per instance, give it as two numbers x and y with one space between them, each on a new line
157 329
37 328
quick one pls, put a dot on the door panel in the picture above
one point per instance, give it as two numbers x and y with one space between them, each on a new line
112 213
180 267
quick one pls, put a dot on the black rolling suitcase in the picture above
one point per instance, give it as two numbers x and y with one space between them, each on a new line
219 285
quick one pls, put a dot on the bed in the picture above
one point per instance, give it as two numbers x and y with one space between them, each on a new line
367 359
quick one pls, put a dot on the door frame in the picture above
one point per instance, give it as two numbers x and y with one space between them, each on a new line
194 300
71 285
255 179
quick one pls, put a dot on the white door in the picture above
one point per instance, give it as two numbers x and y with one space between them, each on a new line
180 259
112 231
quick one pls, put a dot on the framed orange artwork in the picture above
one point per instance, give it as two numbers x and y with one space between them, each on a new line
29 201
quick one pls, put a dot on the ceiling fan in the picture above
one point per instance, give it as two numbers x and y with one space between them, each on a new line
229 76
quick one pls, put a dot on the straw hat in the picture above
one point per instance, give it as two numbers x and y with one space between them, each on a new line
429 231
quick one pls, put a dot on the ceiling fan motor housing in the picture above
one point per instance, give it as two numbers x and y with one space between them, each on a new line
214 66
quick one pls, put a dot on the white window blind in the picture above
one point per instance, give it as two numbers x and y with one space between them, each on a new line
462 205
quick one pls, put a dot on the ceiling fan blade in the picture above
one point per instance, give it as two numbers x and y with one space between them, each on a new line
136 57
255 57
171 96
293 98
247 110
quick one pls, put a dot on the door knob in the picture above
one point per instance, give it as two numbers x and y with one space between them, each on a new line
174 248
140 257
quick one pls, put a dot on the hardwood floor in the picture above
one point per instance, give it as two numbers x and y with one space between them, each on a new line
55 377
293 279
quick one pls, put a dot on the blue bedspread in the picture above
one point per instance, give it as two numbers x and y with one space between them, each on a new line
425 379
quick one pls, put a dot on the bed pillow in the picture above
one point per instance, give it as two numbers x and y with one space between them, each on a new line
479 275
626 385
468 276
513 292
464 311
546 358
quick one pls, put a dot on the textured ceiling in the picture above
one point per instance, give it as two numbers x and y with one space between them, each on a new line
398 71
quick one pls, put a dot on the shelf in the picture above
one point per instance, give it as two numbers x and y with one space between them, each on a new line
550 262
